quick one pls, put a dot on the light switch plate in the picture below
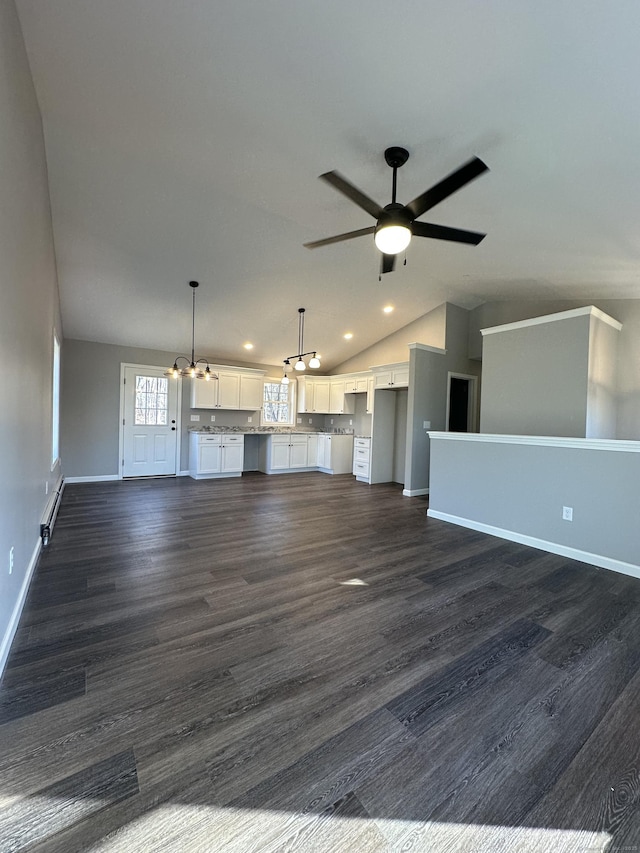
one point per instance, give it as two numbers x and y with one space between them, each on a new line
195 417
213 417
426 424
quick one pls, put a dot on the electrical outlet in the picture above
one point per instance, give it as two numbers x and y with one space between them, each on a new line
299 420
350 422
195 417
331 420
310 420
11 560
426 424
249 419
567 513
213 417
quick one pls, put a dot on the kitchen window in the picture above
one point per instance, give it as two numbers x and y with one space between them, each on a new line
277 403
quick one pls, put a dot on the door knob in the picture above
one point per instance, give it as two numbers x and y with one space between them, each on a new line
173 429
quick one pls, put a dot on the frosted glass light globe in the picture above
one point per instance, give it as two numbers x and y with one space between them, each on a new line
392 239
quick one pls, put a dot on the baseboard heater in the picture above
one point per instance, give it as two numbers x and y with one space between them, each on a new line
46 526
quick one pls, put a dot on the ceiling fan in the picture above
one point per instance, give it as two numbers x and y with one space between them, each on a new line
397 222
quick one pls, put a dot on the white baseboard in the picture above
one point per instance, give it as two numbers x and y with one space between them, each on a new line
599 560
97 478
414 493
12 627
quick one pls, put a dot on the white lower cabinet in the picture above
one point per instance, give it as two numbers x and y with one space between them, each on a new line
287 452
335 453
361 458
214 456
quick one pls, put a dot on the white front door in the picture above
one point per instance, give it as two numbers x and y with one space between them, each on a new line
149 422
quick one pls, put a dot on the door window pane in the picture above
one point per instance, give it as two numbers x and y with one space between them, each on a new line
151 401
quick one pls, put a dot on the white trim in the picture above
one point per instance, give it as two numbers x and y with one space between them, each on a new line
551 318
96 478
12 627
413 493
183 473
542 544
428 348
541 441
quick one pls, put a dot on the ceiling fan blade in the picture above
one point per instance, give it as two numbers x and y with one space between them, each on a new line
447 186
387 263
340 237
441 232
342 185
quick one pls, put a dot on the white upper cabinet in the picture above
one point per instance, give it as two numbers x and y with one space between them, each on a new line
391 375
235 388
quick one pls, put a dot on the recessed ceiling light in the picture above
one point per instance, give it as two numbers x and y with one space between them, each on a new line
348 336
248 346
388 309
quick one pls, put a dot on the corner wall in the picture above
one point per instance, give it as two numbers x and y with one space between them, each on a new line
29 313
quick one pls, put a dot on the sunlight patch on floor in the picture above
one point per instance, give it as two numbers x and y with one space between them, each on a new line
200 829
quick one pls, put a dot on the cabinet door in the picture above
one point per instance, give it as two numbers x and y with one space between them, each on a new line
251 393
370 394
208 458
322 448
228 390
336 397
401 377
382 379
305 388
298 453
321 396
312 451
232 456
279 453
204 395
361 384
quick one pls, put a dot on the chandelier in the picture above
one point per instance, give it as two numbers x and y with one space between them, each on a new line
314 361
192 367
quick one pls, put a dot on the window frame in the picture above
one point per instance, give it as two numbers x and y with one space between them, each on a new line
269 380
55 400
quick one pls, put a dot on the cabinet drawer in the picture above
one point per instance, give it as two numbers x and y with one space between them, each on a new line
361 454
230 439
362 442
209 439
361 469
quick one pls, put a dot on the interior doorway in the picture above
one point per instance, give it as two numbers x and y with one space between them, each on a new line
461 402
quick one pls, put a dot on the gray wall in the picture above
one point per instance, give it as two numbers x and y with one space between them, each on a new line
91 405
29 312
602 379
428 379
521 489
535 379
626 311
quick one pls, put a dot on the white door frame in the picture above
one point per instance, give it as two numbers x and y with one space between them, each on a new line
472 411
142 367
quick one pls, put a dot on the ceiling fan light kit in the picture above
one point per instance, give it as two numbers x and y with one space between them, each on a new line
192 368
396 223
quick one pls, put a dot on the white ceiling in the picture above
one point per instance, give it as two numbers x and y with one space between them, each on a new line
184 141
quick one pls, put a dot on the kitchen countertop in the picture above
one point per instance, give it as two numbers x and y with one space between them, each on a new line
267 430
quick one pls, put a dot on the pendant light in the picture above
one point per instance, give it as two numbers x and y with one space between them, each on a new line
192 367
314 361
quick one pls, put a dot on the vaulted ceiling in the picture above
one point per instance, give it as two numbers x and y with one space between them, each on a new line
184 141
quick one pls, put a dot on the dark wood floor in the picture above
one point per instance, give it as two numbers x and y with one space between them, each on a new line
307 663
